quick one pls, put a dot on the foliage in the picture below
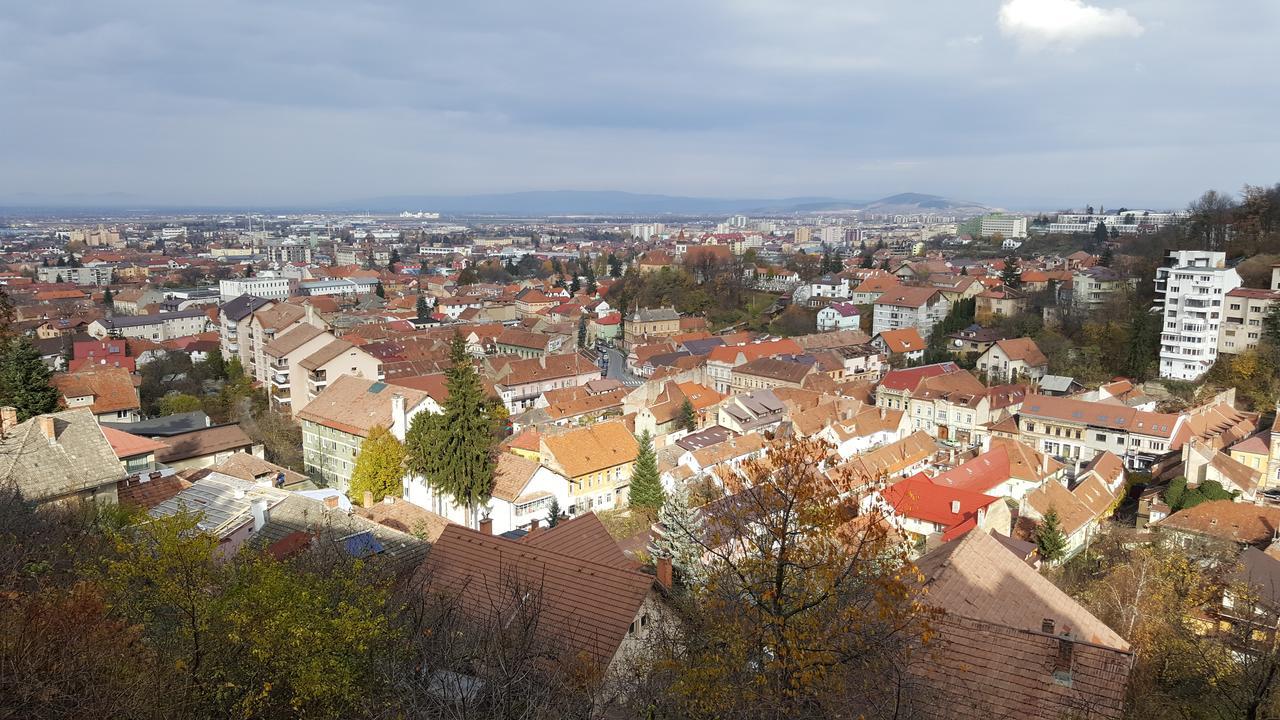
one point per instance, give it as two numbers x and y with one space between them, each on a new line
554 512
379 466
454 452
646 493
1254 373
175 403
688 416
1050 541
24 379
801 614
1180 497
682 533
795 320
422 309
1011 275
468 276
379 290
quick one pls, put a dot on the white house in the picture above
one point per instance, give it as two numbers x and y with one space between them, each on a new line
838 316
904 307
523 492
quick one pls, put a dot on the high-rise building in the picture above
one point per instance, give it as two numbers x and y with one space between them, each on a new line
1191 290
1009 226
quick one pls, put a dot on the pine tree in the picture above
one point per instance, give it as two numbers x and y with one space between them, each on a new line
615 266
24 380
1050 541
379 290
553 512
424 310
108 299
574 286
582 330
591 285
646 485
1011 276
1107 257
688 416
379 466
393 260
681 536
454 452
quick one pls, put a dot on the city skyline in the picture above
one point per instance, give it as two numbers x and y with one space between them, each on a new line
1019 104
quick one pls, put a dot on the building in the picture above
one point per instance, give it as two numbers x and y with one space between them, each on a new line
523 491
108 391
336 422
230 315
92 274
338 286
998 302
1191 296
289 250
286 386
925 511
520 382
905 343
1009 226
1013 360
58 457
597 460
904 307
158 327
1091 287
206 447
648 324
838 316
264 326
265 287
1080 430
312 374
771 372
1242 321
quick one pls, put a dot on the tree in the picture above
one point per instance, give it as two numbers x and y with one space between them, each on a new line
108 300
423 310
379 290
553 512
574 285
454 452
1107 257
213 366
681 534
1271 325
646 484
175 403
615 266
468 276
1100 235
1050 541
379 466
1011 275
582 330
393 260
688 416
24 380
802 613
591 285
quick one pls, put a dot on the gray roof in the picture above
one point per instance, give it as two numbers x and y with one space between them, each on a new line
242 307
223 502
77 458
123 321
165 426
299 513
654 314
1056 383
706 437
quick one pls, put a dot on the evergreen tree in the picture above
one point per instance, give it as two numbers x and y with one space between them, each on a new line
615 266
688 416
108 299
454 452
379 290
379 466
681 535
582 330
646 484
424 310
553 512
868 261
574 286
1100 234
1050 541
468 276
1011 276
1107 257
591 285
24 380
395 258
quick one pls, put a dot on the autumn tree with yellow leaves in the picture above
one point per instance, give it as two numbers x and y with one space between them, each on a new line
808 609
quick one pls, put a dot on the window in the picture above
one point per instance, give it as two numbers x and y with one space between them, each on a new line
1101 437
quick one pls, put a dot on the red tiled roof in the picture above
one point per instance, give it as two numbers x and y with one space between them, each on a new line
909 378
126 445
917 497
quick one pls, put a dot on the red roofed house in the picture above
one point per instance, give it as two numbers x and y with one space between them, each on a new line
998 302
722 360
1009 469
107 390
93 353
894 390
926 510
905 344
1013 360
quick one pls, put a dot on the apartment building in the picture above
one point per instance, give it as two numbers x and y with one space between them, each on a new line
158 327
904 307
266 287
1091 287
92 274
1009 226
335 424
520 382
647 324
1191 294
264 326
1242 321
230 315
1081 430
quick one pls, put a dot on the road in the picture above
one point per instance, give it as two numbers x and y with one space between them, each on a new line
618 369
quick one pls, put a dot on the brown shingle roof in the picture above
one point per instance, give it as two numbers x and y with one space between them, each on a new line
326 353
1243 523
585 538
354 405
587 606
205 441
511 476
143 492
112 388
592 448
1024 349
78 458
292 340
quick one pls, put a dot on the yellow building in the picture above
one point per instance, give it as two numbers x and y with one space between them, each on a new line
598 460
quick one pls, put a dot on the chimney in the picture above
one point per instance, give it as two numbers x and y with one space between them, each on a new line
1062 663
331 502
1046 626
1044 463
399 423
533 525
45 423
8 419
367 500
389 500
955 507
486 526
664 572
261 513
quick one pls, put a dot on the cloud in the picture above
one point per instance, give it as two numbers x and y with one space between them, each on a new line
1064 22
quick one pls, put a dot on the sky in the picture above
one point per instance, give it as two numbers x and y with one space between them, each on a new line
1012 103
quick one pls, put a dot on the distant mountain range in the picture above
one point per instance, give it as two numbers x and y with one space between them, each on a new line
540 203
587 202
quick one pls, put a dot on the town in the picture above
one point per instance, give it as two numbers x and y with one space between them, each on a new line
957 463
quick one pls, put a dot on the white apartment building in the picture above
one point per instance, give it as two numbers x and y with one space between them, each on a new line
264 286
647 231
1191 295
1129 222
904 307
91 274
1009 226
